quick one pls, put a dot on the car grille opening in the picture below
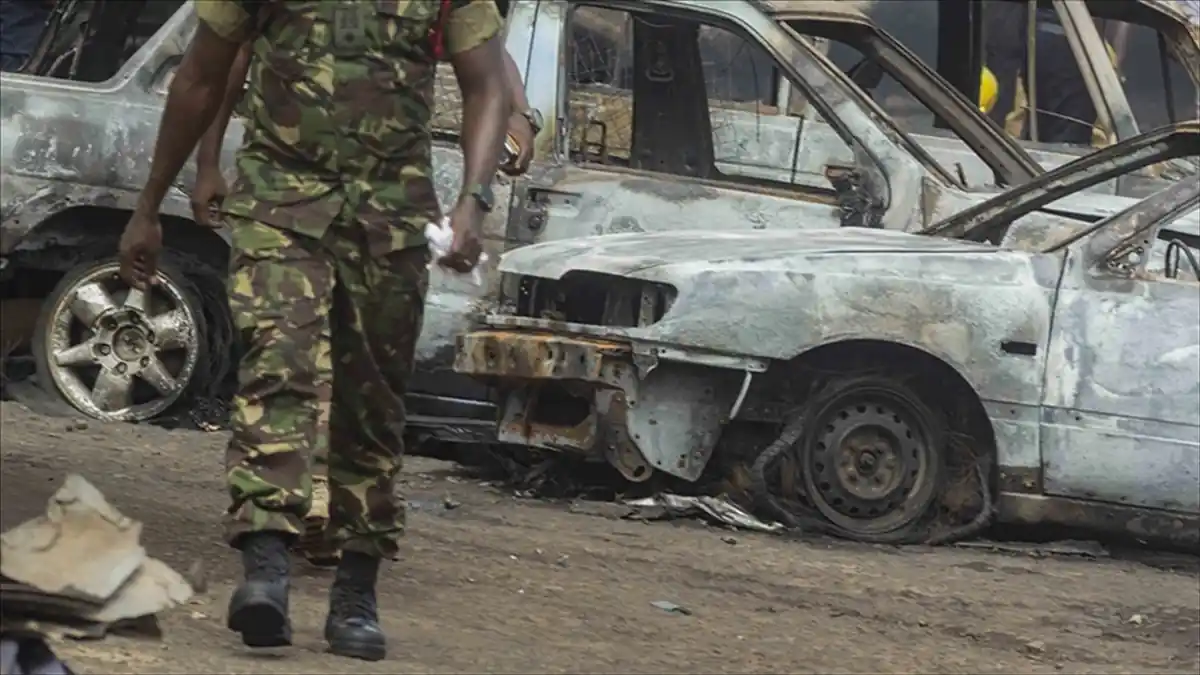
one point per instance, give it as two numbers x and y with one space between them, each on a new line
594 299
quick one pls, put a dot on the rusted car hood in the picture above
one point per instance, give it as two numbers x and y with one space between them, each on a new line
628 253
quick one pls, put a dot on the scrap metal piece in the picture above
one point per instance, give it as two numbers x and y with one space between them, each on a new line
80 569
81 548
717 510
153 588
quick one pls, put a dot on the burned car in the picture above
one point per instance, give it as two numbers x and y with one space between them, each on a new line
1005 360
624 150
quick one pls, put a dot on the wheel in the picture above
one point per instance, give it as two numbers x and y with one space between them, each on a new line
115 353
870 456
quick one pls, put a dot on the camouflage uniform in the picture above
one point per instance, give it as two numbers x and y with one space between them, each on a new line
329 265
315 543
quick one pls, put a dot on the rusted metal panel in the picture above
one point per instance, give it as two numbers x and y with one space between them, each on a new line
598 375
666 417
546 357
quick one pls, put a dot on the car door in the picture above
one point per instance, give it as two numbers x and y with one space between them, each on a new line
1121 413
657 136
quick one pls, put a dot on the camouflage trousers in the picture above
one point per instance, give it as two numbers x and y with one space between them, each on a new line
329 333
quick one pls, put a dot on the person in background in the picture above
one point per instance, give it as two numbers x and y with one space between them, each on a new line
1065 113
21 25
210 189
1015 120
328 263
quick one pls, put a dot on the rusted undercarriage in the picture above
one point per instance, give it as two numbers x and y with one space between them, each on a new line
600 399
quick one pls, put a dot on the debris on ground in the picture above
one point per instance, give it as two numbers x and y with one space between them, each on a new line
671 608
715 510
78 571
594 606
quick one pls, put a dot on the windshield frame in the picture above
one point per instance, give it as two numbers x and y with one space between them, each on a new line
1010 163
1130 233
879 115
990 219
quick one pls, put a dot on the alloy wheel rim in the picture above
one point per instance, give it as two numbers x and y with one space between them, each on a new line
117 353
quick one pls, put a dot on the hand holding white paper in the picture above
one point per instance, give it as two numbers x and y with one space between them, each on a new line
440 238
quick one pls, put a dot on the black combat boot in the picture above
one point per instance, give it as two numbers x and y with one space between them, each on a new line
259 607
352 628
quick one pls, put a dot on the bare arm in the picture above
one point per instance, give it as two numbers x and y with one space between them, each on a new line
196 94
209 152
478 56
516 88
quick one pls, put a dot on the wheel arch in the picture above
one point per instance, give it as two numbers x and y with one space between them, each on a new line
933 373
85 234
94 231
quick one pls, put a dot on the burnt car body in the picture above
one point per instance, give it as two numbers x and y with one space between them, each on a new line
1061 356
616 156
1156 85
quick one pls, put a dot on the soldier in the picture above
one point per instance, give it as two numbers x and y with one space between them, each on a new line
327 215
209 190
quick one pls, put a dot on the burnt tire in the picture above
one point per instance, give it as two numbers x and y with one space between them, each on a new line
869 461
94 337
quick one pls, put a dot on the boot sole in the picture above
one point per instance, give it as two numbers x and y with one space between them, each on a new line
355 649
260 619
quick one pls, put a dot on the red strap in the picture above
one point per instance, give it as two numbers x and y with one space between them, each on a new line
438 34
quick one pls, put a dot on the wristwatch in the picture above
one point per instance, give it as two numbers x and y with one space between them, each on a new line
534 116
482 194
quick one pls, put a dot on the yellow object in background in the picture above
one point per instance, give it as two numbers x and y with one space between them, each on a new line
1014 121
989 89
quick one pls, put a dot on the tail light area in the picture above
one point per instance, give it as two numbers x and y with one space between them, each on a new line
594 299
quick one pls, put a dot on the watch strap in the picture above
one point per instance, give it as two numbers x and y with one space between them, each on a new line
483 195
534 117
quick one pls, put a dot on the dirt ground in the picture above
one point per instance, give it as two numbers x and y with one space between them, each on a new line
501 585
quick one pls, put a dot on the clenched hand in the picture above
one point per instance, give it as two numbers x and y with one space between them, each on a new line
466 221
520 129
141 244
207 195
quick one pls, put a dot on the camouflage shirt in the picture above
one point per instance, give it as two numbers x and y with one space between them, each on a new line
338 109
